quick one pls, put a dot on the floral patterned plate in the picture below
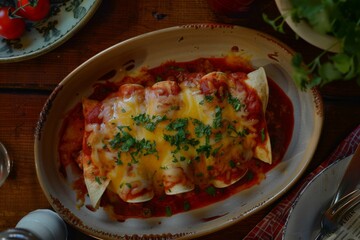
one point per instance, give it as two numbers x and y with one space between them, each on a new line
66 17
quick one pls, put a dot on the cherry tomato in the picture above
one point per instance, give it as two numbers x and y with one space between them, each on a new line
10 27
33 10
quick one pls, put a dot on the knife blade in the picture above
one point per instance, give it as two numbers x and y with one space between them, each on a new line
351 177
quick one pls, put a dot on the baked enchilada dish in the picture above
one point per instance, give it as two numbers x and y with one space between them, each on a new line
175 137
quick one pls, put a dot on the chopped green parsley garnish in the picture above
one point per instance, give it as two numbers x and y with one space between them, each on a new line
147 212
199 174
232 164
180 139
98 180
211 191
181 159
118 160
187 206
147 147
158 79
149 122
120 138
262 134
217 122
218 136
241 133
201 129
210 167
250 175
178 124
168 211
177 68
207 98
125 143
216 150
175 108
235 103
206 148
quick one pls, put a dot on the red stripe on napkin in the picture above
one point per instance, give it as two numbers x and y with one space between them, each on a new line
272 225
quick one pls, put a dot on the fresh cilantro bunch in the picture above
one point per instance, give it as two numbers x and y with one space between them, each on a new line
338 18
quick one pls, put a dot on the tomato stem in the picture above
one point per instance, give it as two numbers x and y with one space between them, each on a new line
13 14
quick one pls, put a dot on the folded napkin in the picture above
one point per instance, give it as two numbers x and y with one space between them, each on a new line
272 225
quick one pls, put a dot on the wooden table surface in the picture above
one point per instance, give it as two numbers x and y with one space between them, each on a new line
25 86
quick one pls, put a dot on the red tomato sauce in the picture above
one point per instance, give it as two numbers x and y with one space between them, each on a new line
280 123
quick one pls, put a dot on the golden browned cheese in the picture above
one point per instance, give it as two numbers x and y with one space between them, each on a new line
173 136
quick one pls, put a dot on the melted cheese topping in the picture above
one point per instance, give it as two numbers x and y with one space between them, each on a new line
171 137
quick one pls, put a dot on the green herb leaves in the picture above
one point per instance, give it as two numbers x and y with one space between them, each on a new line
235 103
217 122
201 129
124 142
277 23
317 13
340 19
211 191
180 139
100 180
148 122
187 139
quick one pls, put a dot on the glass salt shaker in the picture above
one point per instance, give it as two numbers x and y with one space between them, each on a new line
17 234
5 164
41 224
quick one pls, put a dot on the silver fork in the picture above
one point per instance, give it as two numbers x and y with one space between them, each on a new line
331 218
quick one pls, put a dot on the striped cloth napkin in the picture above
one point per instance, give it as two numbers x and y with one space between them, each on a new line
271 227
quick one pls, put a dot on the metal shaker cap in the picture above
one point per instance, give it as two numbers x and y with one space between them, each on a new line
17 234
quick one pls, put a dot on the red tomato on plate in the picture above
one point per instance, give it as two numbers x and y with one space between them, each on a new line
10 27
33 10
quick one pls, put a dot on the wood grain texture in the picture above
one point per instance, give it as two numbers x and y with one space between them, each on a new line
21 192
25 86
